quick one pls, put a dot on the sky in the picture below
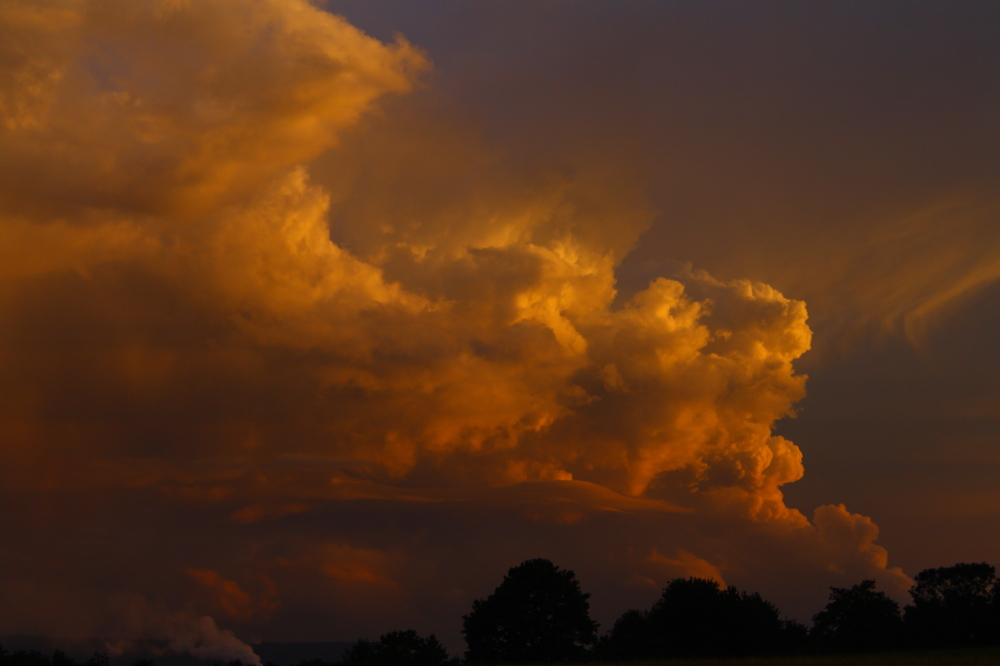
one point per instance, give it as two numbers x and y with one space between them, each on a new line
318 317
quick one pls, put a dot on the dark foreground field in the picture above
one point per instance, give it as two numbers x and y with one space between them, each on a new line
977 657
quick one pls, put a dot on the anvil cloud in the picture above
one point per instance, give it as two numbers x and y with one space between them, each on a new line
250 380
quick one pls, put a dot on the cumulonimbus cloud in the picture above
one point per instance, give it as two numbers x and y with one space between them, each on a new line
181 325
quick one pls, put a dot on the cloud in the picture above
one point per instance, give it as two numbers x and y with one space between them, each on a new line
143 626
233 600
686 565
213 310
900 271
849 534
174 105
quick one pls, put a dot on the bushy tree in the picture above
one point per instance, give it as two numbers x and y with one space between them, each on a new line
858 618
696 617
955 606
361 653
25 658
537 614
406 648
630 639
794 638
397 648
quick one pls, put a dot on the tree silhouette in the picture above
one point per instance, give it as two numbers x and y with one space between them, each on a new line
954 606
794 638
26 658
537 614
630 639
361 653
59 658
695 617
857 619
406 648
397 648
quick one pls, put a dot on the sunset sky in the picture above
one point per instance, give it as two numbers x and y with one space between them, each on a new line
318 317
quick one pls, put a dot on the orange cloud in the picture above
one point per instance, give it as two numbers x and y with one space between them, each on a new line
98 106
352 565
232 600
207 297
851 538
685 565
255 512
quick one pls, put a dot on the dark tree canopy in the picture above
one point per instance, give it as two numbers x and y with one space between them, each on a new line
955 606
696 617
397 648
958 584
537 614
857 619
630 639
23 658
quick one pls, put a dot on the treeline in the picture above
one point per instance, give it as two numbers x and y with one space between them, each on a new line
952 607
60 658
539 614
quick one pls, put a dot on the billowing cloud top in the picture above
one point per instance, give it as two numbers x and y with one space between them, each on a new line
187 350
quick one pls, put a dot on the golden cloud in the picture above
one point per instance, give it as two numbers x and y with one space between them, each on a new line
181 324
232 600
